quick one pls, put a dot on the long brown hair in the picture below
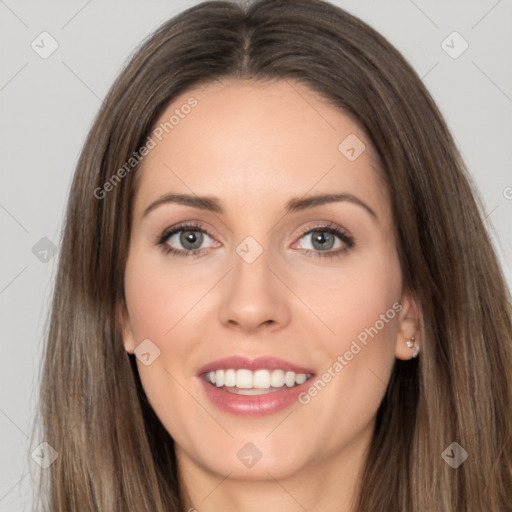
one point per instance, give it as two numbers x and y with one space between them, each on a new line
113 452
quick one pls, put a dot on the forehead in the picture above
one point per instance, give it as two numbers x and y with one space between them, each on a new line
255 144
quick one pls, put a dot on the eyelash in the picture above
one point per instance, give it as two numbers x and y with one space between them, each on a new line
347 239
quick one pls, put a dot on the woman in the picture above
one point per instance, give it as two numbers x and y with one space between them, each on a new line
338 334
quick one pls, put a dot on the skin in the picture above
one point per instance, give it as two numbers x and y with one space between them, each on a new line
254 147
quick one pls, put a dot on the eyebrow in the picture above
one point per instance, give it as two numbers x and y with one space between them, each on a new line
213 204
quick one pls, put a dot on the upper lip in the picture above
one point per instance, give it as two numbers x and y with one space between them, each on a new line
259 363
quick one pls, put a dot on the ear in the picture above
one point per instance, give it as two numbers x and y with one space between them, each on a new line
408 327
126 327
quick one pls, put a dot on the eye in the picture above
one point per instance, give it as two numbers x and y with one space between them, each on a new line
189 236
322 239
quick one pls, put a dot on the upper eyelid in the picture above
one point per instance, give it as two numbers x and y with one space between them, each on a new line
186 227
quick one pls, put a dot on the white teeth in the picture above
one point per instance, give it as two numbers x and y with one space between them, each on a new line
259 379
300 378
243 379
277 379
219 378
230 378
289 379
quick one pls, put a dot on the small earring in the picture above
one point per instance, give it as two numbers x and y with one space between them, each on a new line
416 351
410 343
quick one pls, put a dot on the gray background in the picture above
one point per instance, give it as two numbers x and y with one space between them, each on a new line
47 106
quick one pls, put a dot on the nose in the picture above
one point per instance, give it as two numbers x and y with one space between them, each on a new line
253 297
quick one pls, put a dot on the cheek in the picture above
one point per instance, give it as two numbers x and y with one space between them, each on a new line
361 306
361 293
157 301
366 303
157 296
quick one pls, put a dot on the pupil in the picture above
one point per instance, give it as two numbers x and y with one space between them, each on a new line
323 240
191 237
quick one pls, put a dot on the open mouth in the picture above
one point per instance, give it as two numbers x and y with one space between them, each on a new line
243 381
253 386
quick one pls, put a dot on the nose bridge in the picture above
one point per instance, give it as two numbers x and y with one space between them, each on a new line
251 276
253 295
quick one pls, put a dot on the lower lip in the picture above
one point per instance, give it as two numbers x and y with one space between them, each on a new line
253 405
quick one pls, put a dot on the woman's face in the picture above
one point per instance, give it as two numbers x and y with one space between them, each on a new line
283 288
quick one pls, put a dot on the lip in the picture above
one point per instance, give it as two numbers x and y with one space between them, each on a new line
253 405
